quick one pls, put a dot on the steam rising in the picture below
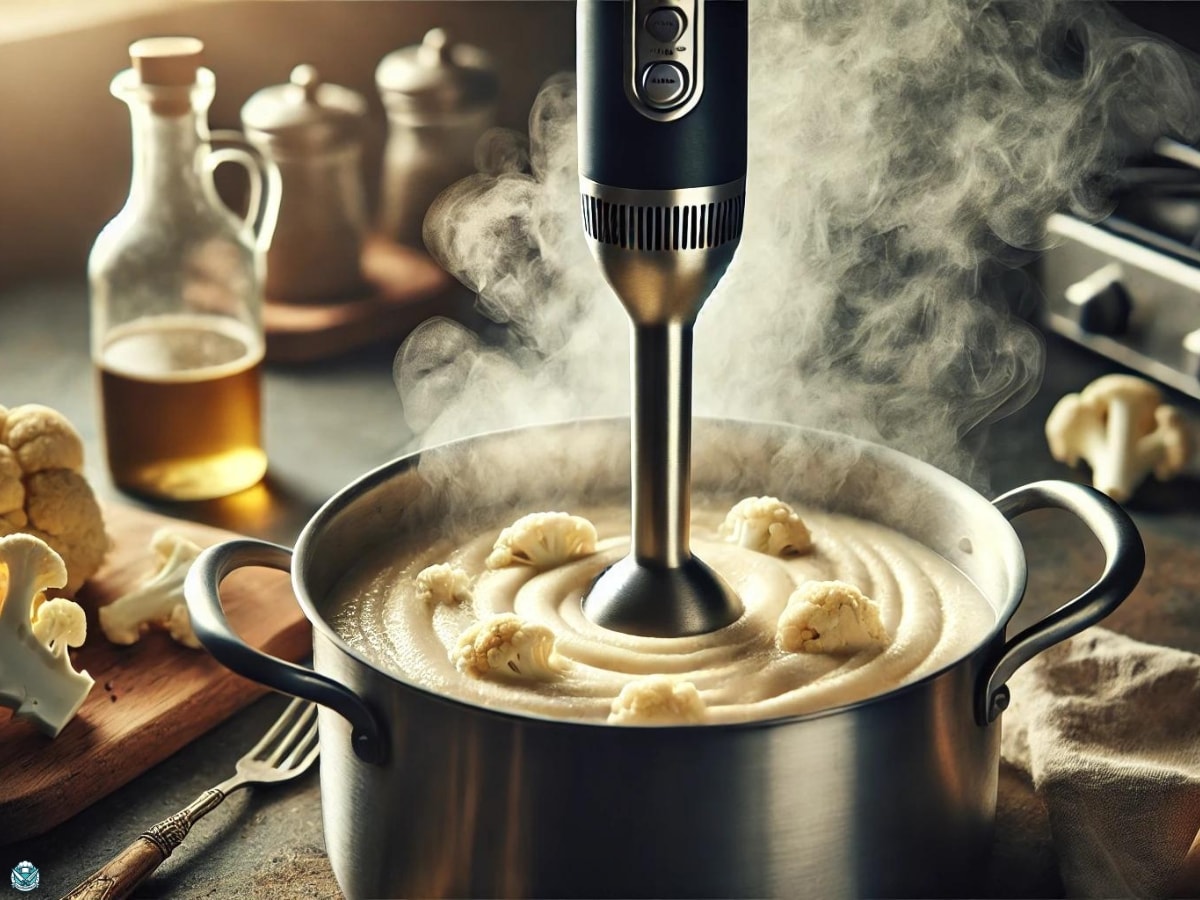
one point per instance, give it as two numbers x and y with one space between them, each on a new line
902 153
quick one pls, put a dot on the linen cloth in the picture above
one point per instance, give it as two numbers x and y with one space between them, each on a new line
1109 730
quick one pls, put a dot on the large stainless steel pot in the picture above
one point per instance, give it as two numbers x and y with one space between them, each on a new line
424 796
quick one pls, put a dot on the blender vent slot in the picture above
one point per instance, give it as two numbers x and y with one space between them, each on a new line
683 227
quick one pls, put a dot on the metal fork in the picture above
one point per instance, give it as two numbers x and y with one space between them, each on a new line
286 751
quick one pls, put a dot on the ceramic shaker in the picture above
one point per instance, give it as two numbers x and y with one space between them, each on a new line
313 133
440 97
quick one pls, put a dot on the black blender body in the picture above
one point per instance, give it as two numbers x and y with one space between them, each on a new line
619 145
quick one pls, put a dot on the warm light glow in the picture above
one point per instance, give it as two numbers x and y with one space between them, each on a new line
21 19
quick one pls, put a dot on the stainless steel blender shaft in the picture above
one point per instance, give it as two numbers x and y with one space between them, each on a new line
662 442
661 589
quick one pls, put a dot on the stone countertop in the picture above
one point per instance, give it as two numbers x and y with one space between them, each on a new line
327 424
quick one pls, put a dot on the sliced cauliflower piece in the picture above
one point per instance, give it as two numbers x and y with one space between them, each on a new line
443 583
768 525
830 617
37 679
507 646
543 541
158 601
657 700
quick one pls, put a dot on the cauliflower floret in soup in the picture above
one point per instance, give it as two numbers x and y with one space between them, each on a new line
507 646
543 540
657 700
830 617
443 583
768 525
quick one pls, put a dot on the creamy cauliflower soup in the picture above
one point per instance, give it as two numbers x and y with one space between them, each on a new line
837 610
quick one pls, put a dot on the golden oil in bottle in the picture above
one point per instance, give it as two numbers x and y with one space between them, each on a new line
181 401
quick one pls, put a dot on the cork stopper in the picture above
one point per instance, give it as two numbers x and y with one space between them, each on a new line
167 61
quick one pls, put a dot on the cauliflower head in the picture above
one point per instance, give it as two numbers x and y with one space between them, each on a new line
768 525
657 700
158 601
830 617
443 584
43 491
507 646
543 541
37 679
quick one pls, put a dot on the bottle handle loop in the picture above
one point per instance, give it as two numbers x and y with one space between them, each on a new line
262 207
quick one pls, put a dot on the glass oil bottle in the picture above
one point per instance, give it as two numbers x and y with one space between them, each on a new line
176 295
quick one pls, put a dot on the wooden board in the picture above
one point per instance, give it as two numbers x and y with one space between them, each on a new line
150 699
406 287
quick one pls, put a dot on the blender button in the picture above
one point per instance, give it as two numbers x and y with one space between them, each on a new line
663 84
665 24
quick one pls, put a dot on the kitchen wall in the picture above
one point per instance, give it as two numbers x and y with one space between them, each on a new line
64 141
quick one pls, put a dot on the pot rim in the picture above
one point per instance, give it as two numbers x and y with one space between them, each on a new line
1012 557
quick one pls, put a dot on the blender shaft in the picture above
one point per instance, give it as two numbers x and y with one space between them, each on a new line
662 442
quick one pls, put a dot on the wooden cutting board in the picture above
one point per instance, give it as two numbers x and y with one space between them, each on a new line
150 699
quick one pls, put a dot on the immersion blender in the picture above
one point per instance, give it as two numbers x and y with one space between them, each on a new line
662 164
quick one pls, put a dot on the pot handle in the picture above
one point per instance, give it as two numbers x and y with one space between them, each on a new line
203 595
1124 560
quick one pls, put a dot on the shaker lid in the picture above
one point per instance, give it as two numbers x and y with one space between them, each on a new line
436 76
305 113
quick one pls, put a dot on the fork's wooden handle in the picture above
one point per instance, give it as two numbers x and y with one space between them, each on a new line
137 862
122 873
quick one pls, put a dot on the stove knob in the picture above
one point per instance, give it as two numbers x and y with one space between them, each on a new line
1191 353
1099 304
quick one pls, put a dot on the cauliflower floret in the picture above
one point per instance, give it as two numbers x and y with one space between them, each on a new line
36 676
507 646
1120 425
443 583
830 617
179 627
60 623
157 601
657 700
768 525
543 540
43 493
